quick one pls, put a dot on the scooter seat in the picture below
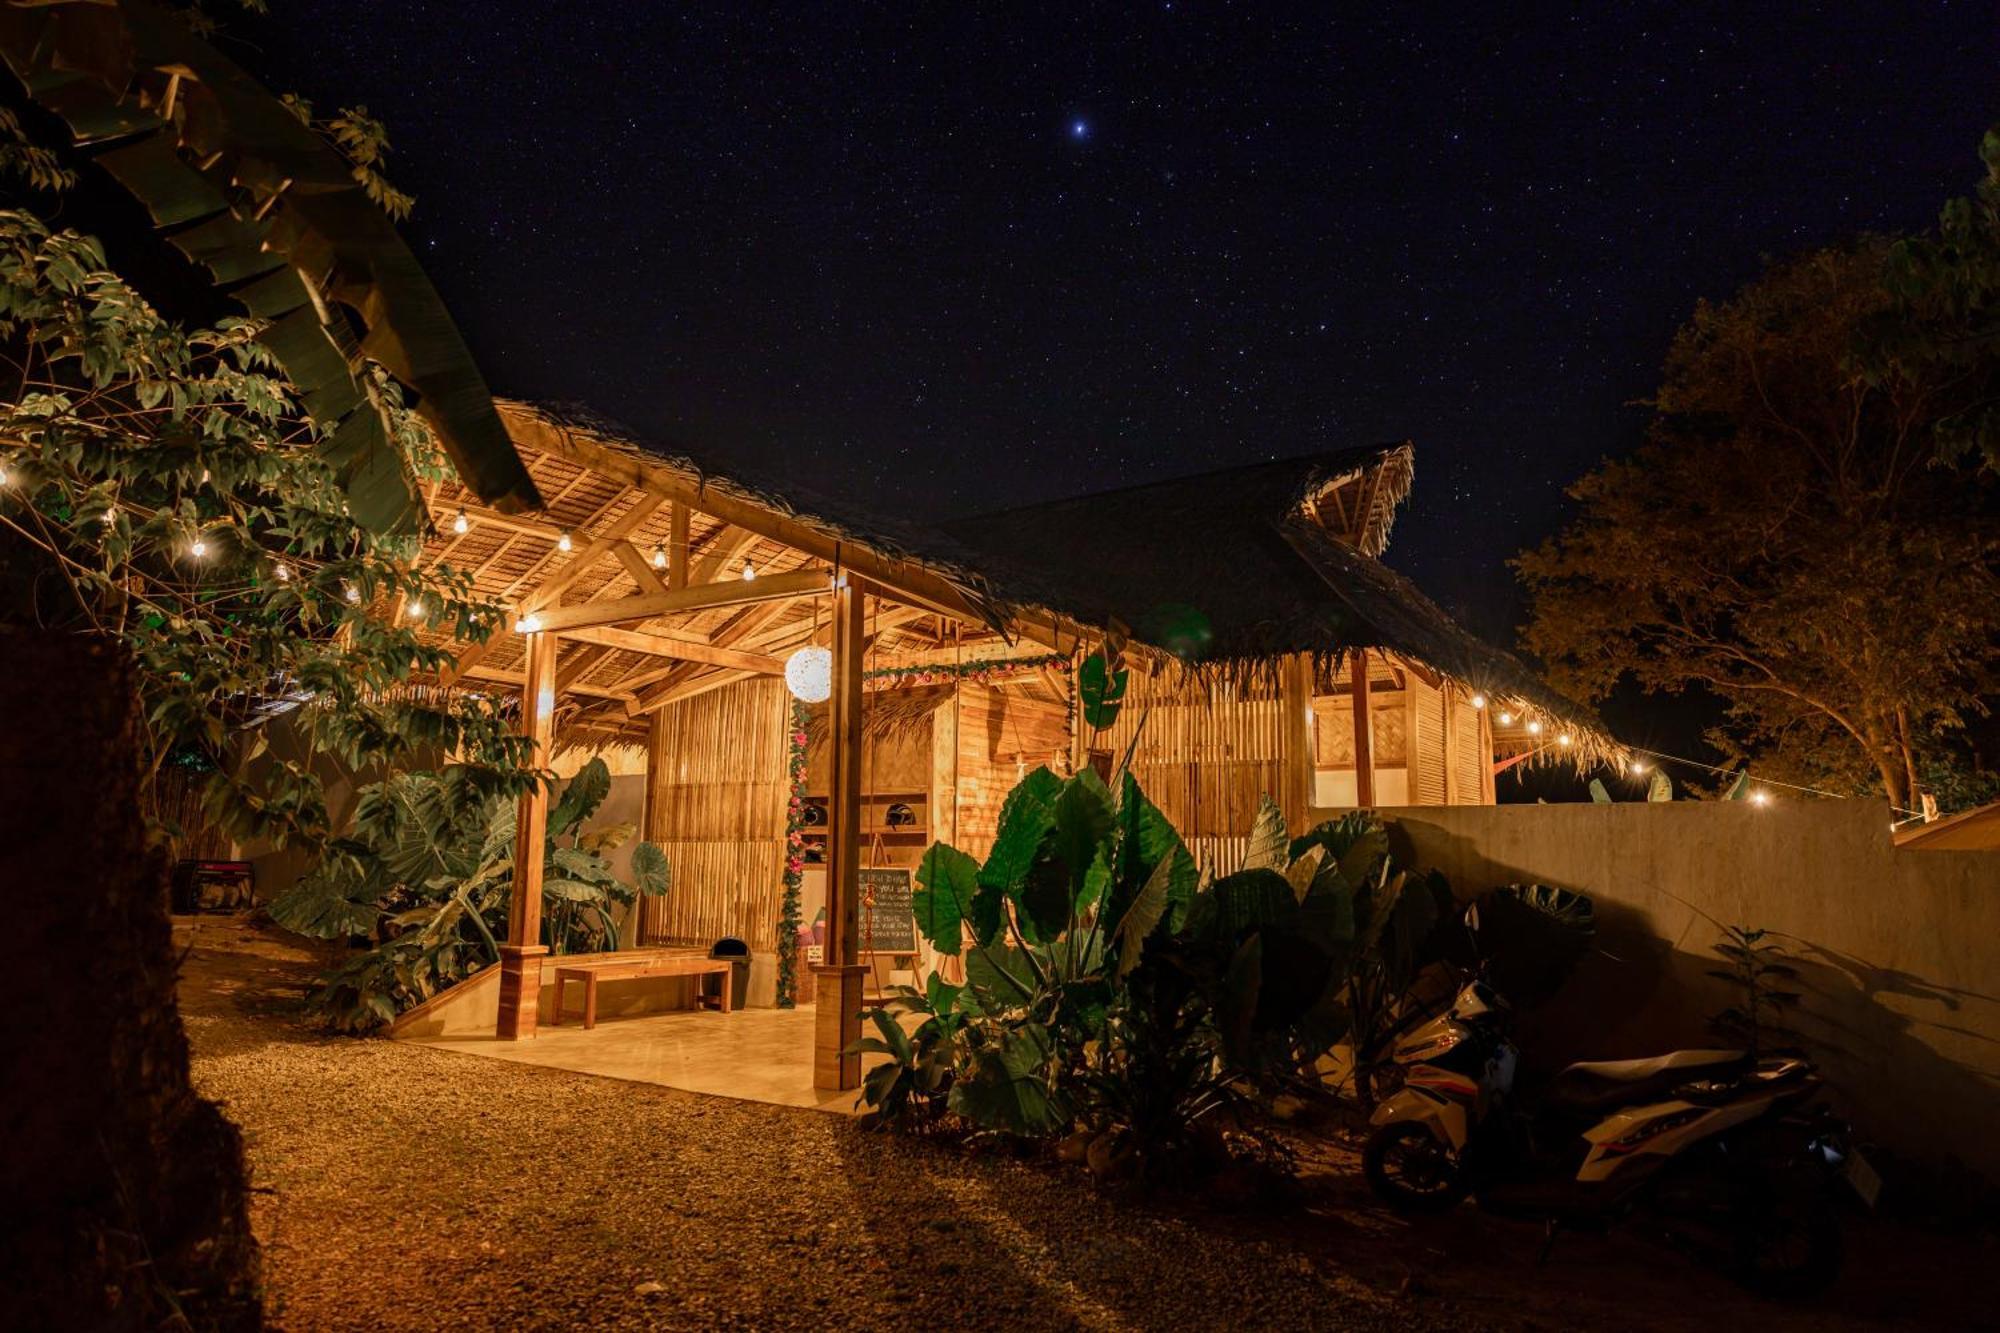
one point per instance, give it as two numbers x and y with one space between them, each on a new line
1594 1087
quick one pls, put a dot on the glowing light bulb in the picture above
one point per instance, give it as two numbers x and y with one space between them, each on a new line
350 592
415 608
1760 798
283 571
197 548
461 524
563 542
659 557
1506 719
529 623
1534 728
749 571
1638 766
1563 740
1479 701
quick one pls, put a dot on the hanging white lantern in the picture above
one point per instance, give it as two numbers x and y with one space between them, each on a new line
809 675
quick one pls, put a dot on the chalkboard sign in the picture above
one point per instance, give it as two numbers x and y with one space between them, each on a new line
890 926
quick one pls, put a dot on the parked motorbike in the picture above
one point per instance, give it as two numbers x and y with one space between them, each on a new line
1723 1155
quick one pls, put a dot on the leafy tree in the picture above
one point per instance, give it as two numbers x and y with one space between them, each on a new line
1945 324
1786 539
164 487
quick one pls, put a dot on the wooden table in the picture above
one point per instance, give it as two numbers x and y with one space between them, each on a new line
650 965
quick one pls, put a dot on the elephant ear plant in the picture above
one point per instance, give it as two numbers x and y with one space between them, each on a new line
426 872
1107 989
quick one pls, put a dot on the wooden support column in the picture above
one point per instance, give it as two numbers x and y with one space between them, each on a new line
1364 731
521 955
838 1021
1487 795
1451 724
655 824
1295 728
677 548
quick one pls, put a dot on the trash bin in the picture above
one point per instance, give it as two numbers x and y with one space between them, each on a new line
738 953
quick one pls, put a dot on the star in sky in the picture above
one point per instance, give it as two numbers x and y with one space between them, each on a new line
1079 129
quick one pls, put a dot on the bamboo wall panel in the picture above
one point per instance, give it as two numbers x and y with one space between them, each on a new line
1474 760
1333 722
715 802
1206 755
1429 760
1001 735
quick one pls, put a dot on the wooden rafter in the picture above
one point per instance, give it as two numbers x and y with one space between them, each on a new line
607 541
644 577
696 597
676 650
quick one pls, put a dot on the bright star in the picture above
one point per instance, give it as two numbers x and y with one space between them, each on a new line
1078 129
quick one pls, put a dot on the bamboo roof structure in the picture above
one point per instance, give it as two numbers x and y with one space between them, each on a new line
1222 574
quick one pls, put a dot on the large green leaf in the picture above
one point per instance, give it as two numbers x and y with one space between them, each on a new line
333 902
1249 900
947 879
1100 690
1356 841
575 863
580 799
1026 819
1268 850
1006 1085
1083 820
650 870
1146 839
999 978
1144 914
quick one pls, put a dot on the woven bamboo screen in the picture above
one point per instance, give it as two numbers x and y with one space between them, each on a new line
1427 755
1471 761
715 802
1001 735
1208 752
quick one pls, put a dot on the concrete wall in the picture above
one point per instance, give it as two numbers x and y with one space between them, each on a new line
1899 951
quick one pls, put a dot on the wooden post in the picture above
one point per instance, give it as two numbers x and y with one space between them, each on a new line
1295 730
677 548
657 826
1364 731
838 1018
521 956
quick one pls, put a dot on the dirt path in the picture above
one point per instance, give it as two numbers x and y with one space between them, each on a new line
409 1188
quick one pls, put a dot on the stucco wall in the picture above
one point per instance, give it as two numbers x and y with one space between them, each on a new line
1899 951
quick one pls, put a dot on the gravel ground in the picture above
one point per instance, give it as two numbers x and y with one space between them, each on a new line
405 1188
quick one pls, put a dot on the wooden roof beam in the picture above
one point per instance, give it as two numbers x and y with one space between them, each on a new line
676 650
696 597
608 540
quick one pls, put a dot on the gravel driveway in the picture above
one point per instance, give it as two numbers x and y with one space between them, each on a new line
406 1188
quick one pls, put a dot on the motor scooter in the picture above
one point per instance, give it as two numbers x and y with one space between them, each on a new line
1719 1153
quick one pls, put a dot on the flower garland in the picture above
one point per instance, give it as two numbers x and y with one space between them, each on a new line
978 672
795 862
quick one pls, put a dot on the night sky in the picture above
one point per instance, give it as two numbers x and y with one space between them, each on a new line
961 258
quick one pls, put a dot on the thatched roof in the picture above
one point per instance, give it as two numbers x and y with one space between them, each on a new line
1225 571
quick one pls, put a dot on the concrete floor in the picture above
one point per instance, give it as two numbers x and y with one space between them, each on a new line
755 1055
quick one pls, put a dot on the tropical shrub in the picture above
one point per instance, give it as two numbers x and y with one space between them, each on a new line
426 873
912 1085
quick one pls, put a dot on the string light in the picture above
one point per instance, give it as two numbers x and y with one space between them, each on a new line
1506 719
563 542
1731 773
415 608
1534 728
659 556
1563 740
529 623
749 571
461 524
351 593
197 548
1479 701
1760 798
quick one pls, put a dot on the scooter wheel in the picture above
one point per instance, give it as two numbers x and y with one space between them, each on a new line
1411 1171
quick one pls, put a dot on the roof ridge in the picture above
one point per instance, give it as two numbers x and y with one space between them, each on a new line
1364 455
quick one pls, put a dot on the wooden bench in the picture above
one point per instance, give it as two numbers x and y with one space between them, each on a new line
645 965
